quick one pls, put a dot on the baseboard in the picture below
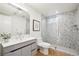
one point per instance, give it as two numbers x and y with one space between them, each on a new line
66 50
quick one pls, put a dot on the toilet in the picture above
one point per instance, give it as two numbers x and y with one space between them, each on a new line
43 46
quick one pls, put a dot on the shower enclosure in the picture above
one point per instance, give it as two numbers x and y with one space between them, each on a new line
61 30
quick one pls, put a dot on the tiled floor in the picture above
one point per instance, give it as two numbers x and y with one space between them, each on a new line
52 53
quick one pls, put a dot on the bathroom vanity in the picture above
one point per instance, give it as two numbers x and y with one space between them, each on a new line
19 48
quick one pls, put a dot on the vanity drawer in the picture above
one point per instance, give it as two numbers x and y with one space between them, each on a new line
34 46
26 43
8 49
15 53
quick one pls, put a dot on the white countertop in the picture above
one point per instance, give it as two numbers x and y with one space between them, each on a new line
16 41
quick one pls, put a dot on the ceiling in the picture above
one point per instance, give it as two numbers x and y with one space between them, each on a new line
48 9
9 9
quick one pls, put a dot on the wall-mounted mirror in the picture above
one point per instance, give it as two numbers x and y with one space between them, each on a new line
13 20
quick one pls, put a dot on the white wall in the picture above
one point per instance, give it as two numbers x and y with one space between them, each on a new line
33 15
36 17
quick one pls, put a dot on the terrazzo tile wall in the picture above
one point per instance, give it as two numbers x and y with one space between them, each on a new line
76 32
64 31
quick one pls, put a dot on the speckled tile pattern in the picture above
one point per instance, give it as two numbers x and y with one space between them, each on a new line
66 35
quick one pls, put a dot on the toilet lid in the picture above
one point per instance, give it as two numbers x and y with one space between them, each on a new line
44 44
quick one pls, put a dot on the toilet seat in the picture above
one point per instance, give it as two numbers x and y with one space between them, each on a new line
44 44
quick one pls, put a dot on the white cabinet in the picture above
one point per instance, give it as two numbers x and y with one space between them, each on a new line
34 46
15 53
20 49
26 51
